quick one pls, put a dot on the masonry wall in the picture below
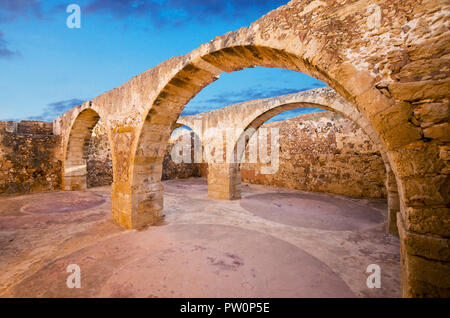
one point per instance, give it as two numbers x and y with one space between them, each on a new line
323 152
99 163
28 157
172 170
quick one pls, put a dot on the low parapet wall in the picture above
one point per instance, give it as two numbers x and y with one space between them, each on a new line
28 157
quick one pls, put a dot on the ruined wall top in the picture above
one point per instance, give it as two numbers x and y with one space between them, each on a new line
31 127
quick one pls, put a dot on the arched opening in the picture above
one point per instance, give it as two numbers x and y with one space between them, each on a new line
383 80
88 160
146 201
306 211
334 174
321 152
368 177
143 203
179 158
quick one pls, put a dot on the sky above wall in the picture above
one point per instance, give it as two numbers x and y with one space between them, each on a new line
47 68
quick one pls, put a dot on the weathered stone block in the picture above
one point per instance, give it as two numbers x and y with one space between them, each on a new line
433 221
420 90
429 114
439 132
418 159
423 191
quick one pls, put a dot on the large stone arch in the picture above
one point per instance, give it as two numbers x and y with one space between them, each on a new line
326 99
196 71
242 120
389 59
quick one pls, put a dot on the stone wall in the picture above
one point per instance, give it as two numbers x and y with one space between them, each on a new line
99 163
323 152
35 127
28 157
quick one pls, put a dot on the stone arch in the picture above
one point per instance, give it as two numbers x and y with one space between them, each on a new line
146 201
224 181
323 98
335 103
75 149
192 76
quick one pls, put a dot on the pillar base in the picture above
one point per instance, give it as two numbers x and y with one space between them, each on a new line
425 264
139 210
224 181
74 183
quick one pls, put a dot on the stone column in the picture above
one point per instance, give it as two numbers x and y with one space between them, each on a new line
224 181
424 223
137 192
136 206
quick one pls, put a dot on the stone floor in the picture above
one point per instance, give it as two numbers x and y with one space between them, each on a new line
272 243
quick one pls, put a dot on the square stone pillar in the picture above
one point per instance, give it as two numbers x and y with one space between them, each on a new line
138 208
224 181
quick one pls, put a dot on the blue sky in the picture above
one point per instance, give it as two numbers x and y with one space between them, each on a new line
47 68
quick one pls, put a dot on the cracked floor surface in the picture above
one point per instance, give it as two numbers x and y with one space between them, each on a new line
272 243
